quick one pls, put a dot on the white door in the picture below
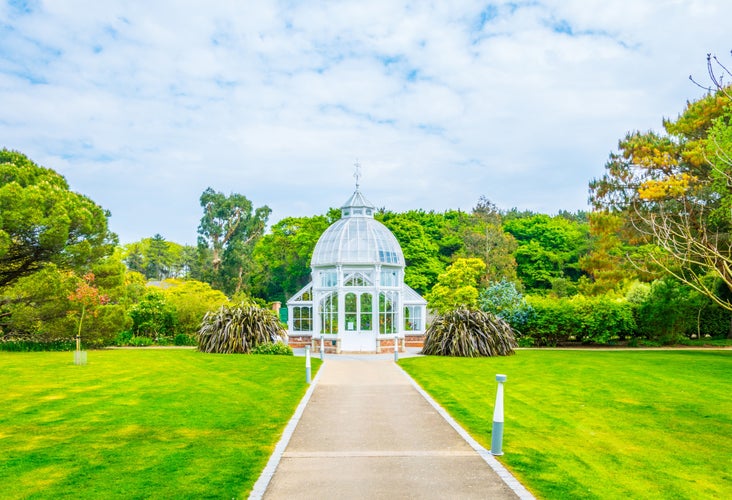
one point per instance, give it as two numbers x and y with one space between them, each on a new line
358 334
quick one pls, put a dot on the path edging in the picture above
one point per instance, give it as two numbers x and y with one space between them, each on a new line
274 460
494 464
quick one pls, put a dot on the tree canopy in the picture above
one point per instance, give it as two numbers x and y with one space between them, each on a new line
229 228
674 191
42 221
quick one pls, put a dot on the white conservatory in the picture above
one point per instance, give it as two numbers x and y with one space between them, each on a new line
357 300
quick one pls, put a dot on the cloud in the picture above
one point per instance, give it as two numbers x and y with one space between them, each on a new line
143 106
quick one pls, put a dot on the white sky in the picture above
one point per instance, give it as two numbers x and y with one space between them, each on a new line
142 105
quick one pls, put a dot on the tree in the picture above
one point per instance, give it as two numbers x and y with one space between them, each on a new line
605 263
549 249
229 228
159 258
153 316
135 260
87 297
484 237
421 252
674 191
457 287
42 221
36 306
283 256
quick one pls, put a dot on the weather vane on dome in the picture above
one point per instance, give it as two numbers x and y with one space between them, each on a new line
357 173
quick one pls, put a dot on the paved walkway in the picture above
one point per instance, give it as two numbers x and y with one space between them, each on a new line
367 432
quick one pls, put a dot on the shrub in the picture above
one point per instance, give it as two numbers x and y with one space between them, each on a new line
238 329
185 339
192 300
102 329
123 338
504 301
712 320
588 319
666 312
153 317
140 341
469 333
278 348
29 344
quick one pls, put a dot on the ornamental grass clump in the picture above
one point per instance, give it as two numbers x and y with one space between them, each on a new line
238 329
469 333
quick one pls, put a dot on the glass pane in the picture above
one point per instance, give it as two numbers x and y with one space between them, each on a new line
366 322
351 303
366 308
329 314
412 318
366 305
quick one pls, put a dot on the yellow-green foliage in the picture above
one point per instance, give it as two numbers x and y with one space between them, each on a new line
457 286
192 300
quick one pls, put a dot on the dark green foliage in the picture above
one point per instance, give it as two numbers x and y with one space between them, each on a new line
712 320
421 249
469 333
29 344
185 339
548 248
123 338
276 348
101 328
159 258
579 319
669 311
229 228
153 317
282 257
238 329
139 341
43 221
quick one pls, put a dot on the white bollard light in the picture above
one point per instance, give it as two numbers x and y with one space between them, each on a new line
396 349
497 433
307 364
322 348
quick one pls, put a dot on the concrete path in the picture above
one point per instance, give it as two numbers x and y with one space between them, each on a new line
366 432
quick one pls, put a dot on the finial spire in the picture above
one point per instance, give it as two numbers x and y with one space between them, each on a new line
357 173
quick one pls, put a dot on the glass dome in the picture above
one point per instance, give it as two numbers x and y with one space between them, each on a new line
357 238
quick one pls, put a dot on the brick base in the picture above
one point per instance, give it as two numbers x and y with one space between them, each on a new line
384 345
414 340
298 341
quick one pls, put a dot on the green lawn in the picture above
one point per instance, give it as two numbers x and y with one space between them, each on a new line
599 424
142 423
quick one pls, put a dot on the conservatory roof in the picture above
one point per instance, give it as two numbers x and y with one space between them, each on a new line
357 238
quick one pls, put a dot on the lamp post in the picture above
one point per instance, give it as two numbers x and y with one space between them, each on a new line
497 433
307 364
